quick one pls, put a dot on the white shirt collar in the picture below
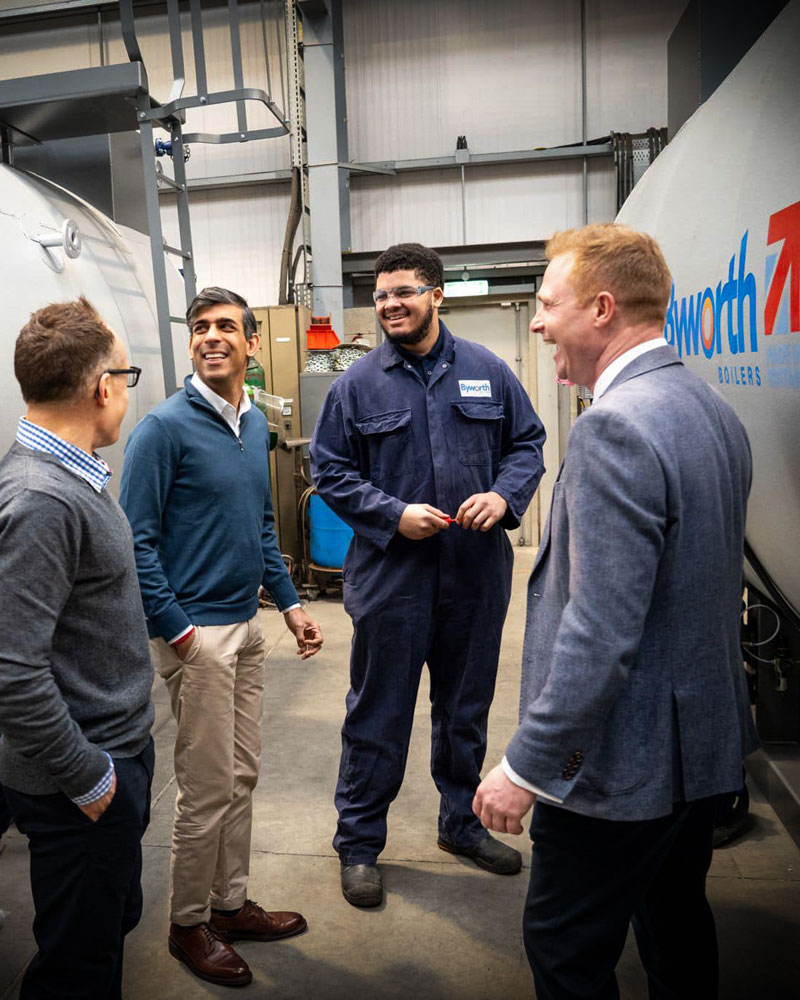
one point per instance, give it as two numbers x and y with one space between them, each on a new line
226 410
607 375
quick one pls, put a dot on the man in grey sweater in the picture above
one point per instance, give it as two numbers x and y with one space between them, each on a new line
76 757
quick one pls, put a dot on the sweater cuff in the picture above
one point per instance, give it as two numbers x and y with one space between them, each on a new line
92 770
177 639
102 787
171 623
282 591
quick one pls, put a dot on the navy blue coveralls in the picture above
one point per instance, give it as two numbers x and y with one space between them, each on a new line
387 437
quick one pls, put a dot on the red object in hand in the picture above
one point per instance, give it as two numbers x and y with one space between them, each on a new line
451 520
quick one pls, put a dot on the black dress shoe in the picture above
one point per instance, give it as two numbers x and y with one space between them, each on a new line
489 854
361 885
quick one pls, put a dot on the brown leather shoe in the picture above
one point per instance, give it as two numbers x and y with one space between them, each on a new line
208 956
252 923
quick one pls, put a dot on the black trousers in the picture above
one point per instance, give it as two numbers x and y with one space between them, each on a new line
590 878
86 884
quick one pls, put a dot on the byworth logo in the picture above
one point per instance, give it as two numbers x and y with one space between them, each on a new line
728 318
475 387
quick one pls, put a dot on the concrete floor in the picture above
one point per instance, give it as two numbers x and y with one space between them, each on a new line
446 930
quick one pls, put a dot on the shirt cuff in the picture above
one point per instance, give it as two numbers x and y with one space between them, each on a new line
103 787
512 775
292 607
181 635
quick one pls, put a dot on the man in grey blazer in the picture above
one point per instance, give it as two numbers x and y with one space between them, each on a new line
634 713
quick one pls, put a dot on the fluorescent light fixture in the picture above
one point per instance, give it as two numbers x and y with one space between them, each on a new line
459 289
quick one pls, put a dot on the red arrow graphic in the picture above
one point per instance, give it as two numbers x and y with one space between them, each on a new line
785 225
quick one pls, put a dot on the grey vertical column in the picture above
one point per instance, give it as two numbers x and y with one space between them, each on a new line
326 123
298 140
157 248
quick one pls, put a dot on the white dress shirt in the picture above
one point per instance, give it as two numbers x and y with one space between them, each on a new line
607 375
232 415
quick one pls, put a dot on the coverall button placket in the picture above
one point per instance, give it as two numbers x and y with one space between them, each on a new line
438 441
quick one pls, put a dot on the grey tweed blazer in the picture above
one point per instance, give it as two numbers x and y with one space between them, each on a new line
633 690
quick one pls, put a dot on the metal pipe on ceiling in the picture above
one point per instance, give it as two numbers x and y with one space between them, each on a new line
583 114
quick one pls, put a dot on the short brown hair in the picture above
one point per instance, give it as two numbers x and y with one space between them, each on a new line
617 259
60 349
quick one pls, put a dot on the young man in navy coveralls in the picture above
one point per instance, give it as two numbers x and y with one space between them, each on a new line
425 428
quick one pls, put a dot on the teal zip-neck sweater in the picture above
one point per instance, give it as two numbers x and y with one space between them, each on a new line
198 500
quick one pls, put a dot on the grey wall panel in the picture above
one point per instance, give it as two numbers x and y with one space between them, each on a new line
504 203
419 73
507 75
424 207
626 69
237 236
30 52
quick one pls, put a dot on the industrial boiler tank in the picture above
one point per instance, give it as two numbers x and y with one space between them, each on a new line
723 201
54 247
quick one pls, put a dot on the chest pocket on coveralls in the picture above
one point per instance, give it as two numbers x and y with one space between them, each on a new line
388 440
478 427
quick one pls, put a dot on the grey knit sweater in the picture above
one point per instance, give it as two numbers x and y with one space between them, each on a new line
75 670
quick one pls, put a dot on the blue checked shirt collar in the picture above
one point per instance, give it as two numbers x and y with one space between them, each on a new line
92 468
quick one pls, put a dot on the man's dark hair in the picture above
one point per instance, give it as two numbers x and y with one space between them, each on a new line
60 349
213 296
412 257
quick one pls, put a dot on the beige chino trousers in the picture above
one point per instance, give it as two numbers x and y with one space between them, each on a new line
217 696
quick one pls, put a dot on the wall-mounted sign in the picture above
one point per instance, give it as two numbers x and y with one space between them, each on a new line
460 289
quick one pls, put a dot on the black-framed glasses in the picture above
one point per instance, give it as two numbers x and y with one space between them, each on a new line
402 292
133 374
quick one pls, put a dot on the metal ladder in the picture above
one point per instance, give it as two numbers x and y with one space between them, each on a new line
171 117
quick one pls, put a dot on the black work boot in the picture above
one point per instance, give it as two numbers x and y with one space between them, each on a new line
361 885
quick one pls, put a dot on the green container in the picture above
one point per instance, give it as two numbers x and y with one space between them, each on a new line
254 377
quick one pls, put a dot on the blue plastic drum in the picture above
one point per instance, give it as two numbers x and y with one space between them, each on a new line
330 536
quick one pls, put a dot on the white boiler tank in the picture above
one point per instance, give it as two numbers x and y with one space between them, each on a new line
112 270
723 200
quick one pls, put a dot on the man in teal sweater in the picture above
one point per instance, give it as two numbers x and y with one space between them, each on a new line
195 487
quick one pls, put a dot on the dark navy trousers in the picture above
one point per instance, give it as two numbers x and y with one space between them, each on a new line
86 884
591 878
459 639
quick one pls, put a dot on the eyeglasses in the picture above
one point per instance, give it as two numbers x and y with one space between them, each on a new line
403 292
133 374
